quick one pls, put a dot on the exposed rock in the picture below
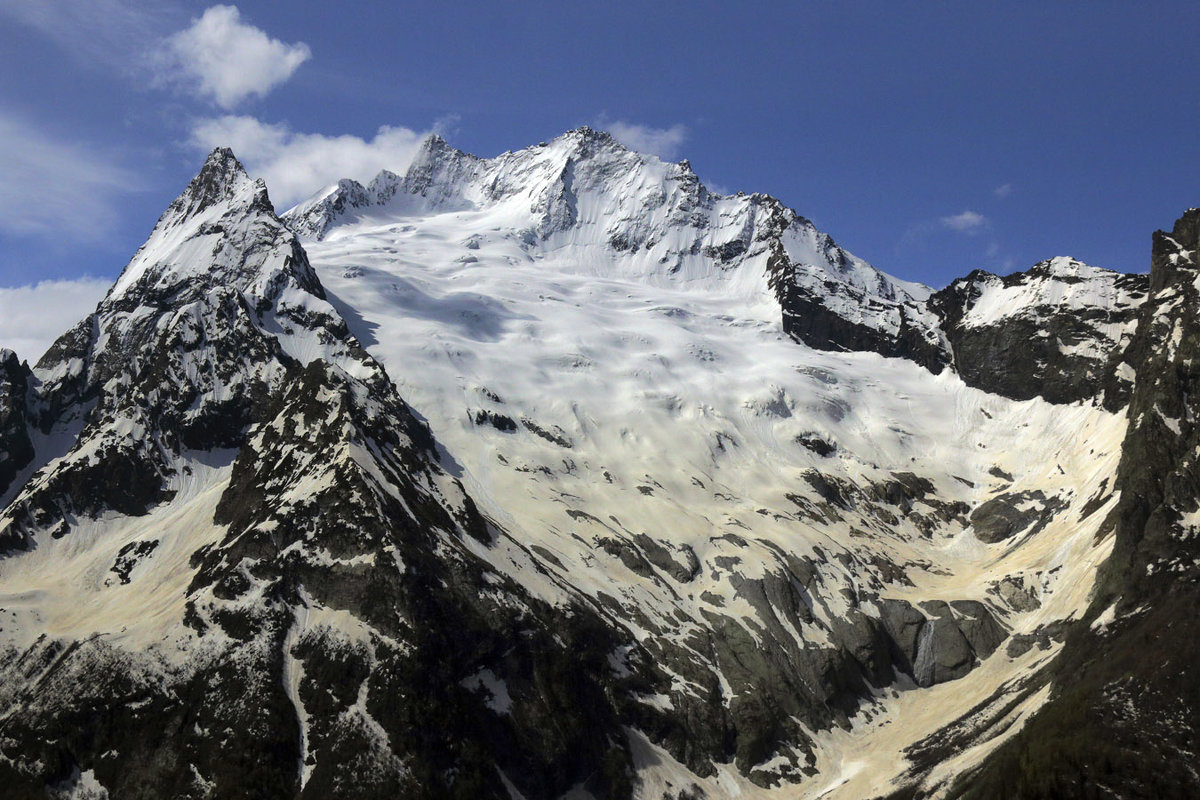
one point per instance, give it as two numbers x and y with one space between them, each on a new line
1006 515
943 652
1042 638
501 422
662 556
833 490
831 300
979 626
16 449
129 556
940 641
816 444
557 436
1017 593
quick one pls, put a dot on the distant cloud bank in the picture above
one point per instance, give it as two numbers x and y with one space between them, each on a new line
32 317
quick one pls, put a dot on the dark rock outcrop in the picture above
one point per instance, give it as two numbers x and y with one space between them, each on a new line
840 303
940 641
16 448
1006 515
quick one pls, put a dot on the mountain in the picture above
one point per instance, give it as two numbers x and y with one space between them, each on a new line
556 474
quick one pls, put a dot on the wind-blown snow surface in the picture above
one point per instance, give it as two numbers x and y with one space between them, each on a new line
588 392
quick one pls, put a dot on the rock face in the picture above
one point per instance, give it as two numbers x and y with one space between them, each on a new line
16 450
831 300
1057 331
649 527
1006 515
941 641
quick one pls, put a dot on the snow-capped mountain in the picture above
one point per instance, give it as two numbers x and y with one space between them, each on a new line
556 474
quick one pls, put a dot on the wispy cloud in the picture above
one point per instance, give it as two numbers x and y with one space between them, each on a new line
295 165
662 142
48 185
218 57
968 222
116 34
225 60
32 317
1003 191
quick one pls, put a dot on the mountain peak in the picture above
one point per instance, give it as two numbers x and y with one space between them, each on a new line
223 157
587 139
221 179
1186 231
433 148
588 133
1065 267
220 201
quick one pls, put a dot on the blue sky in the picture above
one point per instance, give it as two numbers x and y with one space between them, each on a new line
929 138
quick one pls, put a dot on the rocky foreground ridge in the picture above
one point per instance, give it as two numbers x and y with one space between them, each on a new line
689 501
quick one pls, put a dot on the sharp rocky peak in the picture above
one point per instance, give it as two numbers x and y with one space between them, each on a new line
586 138
436 149
222 179
214 313
1183 242
222 230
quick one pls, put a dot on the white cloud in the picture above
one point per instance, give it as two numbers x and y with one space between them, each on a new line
662 142
48 185
295 165
1003 191
224 59
967 222
32 317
